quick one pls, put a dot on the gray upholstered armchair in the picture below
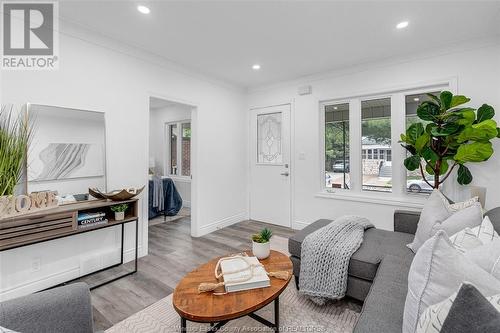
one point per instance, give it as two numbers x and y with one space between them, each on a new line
66 309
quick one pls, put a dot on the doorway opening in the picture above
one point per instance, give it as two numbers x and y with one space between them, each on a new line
170 161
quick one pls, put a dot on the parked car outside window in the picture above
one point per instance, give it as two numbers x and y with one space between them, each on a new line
341 166
419 185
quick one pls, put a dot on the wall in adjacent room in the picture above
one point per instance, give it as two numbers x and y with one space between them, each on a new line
475 70
158 145
99 74
157 135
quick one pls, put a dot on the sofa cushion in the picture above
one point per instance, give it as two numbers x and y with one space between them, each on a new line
469 238
376 244
364 262
63 309
296 265
487 257
358 288
436 209
437 272
383 308
471 312
469 217
295 242
433 318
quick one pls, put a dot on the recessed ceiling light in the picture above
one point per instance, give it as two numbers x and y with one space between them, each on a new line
335 108
402 25
143 9
256 67
416 99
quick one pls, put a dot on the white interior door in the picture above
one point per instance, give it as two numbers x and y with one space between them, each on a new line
270 165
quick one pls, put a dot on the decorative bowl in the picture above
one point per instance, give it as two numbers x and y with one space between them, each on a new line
117 195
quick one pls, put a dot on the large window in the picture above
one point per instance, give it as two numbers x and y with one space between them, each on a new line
186 149
376 137
172 131
415 183
179 149
337 171
361 152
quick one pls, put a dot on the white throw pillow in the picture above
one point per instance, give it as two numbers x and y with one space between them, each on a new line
470 238
436 209
437 271
471 216
487 257
432 319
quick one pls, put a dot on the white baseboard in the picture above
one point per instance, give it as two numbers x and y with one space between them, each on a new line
51 280
39 284
298 225
211 227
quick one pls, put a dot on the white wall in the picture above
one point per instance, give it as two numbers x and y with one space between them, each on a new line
158 145
477 74
102 75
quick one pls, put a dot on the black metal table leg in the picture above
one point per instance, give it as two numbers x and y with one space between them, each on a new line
215 326
183 325
136 244
121 244
136 257
277 314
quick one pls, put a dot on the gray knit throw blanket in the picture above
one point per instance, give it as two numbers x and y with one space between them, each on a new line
325 257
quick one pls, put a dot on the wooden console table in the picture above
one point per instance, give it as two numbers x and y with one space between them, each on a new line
62 221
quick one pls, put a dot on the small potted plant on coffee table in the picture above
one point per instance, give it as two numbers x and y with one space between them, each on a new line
261 246
119 211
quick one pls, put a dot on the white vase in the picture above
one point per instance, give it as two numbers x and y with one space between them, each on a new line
261 250
119 216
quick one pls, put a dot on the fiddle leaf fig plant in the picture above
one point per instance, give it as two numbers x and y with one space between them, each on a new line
449 136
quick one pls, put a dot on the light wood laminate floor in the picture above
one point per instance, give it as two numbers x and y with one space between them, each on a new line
172 254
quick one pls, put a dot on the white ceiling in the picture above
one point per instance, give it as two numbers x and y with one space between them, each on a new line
289 39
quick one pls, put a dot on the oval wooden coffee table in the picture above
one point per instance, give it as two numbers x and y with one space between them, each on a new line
219 309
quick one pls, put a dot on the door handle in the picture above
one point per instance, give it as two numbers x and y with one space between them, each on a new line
286 173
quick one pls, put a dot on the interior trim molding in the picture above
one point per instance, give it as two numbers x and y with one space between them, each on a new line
39 284
395 202
222 223
50 280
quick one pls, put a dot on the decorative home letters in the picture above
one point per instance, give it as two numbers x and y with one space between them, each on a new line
22 204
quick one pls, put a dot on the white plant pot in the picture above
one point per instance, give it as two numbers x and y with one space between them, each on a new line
261 250
119 216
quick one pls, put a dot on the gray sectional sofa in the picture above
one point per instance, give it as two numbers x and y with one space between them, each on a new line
59 310
378 270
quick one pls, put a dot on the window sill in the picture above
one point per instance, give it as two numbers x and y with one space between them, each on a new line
408 201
